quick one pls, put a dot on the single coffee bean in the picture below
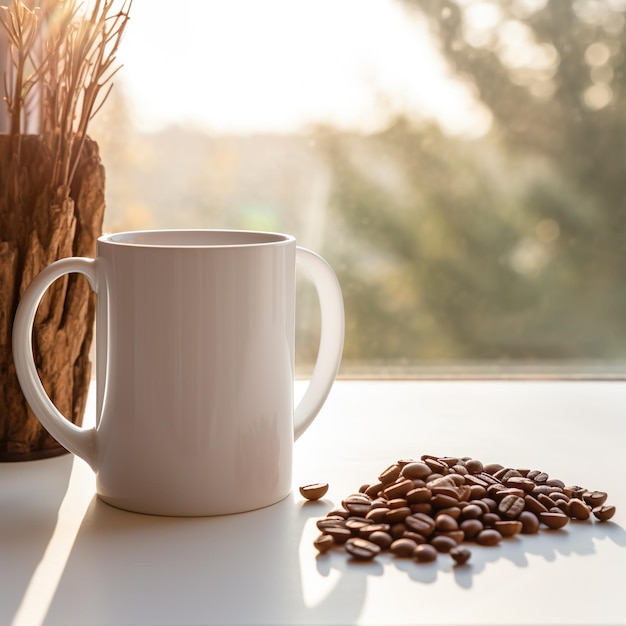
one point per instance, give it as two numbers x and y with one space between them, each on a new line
445 523
324 543
554 520
577 509
471 511
396 503
445 490
357 504
390 474
534 505
397 515
340 535
454 512
489 519
403 547
470 528
530 522
511 506
595 498
314 491
362 549
477 492
519 482
457 535
443 543
330 521
356 523
460 555
441 501
425 553
423 507
373 490
435 466
366 531
381 538
509 527
416 470
604 512
492 468
474 466
397 530
398 489
418 495
377 515
409 534
489 537
555 482
420 523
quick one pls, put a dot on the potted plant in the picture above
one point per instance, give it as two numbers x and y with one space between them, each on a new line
60 59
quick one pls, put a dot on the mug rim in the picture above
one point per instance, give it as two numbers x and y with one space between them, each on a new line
206 238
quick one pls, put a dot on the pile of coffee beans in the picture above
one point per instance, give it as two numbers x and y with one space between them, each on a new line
420 508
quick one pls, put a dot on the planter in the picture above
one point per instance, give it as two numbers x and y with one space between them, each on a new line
39 225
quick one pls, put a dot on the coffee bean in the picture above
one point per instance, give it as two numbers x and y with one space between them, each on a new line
492 468
314 491
460 555
474 466
443 543
340 535
381 538
416 470
397 515
361 549
604 512
390 474
323 543
403 547
445 523
511 506
530 522
553 519
377 514
471 511
594 498
357 504
470 528
534 505
577 509
425 553
488 537
398 489
420 523
418 495
509 527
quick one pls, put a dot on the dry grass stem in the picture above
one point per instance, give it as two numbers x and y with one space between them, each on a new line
61 60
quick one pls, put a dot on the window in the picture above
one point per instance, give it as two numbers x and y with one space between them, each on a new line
460 163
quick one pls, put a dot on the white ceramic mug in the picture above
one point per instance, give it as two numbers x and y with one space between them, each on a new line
194 367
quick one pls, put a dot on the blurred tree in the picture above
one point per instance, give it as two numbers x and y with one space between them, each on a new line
507 247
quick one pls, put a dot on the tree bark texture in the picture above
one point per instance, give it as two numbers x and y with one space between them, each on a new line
39 225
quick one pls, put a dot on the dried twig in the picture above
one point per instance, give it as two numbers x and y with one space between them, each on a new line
62 58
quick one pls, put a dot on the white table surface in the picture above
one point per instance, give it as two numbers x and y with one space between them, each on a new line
67 558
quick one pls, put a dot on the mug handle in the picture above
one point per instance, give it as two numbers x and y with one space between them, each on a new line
78 440
331 339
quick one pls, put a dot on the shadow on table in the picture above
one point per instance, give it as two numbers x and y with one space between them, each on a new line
31 494
577 539
130 568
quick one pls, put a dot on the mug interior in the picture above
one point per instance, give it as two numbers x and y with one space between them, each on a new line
195 238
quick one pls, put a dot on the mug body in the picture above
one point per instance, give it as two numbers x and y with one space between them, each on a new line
195 358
